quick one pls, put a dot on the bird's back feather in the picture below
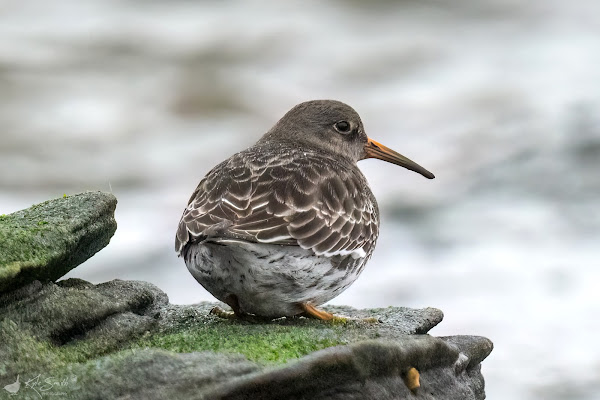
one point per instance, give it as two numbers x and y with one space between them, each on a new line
287 196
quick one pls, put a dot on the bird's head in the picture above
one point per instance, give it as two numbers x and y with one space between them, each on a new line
334 127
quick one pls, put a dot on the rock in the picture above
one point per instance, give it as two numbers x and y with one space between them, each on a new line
156 374
122 339
363 370
47 240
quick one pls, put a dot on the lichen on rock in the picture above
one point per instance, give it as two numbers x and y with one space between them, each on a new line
47 240
123 339
122 332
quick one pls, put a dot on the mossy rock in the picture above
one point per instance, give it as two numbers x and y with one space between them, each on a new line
122 339
47 240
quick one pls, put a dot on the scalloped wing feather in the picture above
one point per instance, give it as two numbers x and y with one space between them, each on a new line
297 198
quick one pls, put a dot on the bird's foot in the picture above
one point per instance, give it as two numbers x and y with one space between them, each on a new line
411 379
310 311
233 302
232 315
219 312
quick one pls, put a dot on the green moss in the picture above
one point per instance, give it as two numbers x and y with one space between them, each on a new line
266 344
269 343
21 240
21 351
48 239
22 247
80 352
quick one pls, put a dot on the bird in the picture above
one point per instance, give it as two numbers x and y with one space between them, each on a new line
289 223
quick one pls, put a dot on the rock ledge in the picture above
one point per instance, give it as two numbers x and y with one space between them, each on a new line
122 339
47 240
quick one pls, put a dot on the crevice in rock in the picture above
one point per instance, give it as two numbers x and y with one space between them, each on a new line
143 304
77 331
26 293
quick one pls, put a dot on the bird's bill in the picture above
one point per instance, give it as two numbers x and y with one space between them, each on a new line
374 149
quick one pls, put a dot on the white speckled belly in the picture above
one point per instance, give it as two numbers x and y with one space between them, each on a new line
270 280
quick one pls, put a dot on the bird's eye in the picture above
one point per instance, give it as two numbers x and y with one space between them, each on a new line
342 126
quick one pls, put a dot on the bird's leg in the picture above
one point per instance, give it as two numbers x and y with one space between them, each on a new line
311 311
219 312
232 301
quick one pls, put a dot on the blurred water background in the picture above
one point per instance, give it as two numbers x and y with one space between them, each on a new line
500 99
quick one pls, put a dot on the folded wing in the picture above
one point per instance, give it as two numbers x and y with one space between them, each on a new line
299 199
